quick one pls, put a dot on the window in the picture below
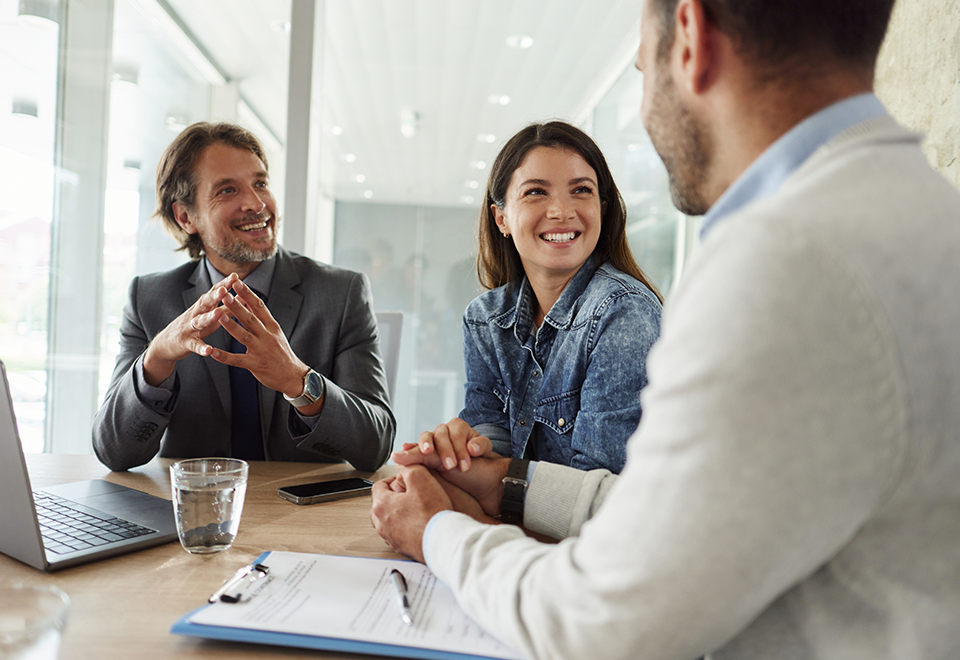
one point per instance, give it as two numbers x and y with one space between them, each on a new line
87 105
28 110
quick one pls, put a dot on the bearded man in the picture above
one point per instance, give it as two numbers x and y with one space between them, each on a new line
248 350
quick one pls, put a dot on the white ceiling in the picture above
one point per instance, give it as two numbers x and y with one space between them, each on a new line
440 59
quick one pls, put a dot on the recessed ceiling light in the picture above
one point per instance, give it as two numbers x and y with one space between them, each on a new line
175 123
466 199
472 184
23 108
478 164
498 99
39 13
280 26
350 158
125 75
368 194
359 178
489 138
336 130
408 123
519 41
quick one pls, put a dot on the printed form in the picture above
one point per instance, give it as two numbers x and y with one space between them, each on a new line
353 598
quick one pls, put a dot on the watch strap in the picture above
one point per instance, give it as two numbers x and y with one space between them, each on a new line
312 390
514 491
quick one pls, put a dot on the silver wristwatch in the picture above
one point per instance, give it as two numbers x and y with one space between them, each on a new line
312 390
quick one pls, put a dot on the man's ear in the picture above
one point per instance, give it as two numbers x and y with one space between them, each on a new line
182 216
693 40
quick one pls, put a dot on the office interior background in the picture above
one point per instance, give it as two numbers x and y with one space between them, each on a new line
380 119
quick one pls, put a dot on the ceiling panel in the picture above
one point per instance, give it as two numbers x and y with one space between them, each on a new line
439 59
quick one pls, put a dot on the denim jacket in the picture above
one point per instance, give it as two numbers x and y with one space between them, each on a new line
570 392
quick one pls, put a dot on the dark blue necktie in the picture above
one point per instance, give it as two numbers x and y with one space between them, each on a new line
245 439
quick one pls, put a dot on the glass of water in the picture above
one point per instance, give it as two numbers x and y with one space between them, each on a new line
32 619
207 500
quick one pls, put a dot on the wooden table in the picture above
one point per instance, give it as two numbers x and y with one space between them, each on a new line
123 607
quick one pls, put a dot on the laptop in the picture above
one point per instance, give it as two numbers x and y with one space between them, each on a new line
75 523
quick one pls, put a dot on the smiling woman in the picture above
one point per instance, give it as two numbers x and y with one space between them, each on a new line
556 351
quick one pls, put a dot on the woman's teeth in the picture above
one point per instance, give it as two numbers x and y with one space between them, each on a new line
559 238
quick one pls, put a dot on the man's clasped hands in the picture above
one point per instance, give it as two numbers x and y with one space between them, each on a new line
451 468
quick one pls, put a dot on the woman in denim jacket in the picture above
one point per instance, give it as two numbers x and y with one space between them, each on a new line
555 351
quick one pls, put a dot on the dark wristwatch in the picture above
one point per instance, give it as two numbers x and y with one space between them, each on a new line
514 490
312 390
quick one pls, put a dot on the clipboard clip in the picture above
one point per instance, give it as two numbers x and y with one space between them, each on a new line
233 589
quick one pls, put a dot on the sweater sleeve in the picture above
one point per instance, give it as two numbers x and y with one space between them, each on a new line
773 426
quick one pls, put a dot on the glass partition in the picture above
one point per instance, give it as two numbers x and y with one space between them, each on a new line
155 93
653 223
28 110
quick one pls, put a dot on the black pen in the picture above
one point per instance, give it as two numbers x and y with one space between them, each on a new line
400 586
252 572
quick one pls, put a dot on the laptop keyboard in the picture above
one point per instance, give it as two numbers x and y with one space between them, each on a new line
67 526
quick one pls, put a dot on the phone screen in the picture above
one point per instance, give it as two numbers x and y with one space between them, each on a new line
324 491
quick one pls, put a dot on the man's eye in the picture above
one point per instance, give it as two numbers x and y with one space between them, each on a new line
226 191
261 184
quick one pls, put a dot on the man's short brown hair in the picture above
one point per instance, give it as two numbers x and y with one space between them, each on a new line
783 36
177 181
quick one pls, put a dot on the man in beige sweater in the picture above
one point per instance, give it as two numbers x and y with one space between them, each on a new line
793 490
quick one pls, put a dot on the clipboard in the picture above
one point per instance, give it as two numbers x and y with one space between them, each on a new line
346 604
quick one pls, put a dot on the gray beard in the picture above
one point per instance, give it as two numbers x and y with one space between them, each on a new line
239 252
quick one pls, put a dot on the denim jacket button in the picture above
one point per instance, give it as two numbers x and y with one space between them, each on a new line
523 422
561 422
536 374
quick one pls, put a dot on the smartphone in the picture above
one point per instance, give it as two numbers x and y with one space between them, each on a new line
324 491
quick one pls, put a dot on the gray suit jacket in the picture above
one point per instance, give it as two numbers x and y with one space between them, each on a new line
326 314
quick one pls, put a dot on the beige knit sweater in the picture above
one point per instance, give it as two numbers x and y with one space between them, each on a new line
793 490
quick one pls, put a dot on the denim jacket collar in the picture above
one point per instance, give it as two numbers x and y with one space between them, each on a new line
559 316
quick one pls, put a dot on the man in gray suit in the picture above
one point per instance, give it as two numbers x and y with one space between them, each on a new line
793 490
248 350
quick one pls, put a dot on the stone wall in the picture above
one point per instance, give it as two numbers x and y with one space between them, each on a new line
918 77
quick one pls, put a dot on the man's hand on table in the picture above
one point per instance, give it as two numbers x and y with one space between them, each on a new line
404 504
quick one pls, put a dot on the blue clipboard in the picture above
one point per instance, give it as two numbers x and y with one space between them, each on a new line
184 626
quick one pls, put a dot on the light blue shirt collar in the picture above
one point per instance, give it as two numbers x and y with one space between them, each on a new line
768 172
259 278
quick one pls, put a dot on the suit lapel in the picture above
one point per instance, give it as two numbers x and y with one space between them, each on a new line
284 304
219 373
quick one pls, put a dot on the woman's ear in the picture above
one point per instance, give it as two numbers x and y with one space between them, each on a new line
500 219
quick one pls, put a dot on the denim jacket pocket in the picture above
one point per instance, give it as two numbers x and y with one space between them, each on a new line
503 393
559 413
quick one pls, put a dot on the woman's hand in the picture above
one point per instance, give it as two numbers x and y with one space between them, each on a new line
450 446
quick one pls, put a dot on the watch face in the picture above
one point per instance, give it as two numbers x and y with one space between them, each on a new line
314 386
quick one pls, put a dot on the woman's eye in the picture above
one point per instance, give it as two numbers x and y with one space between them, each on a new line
579 190
534 191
